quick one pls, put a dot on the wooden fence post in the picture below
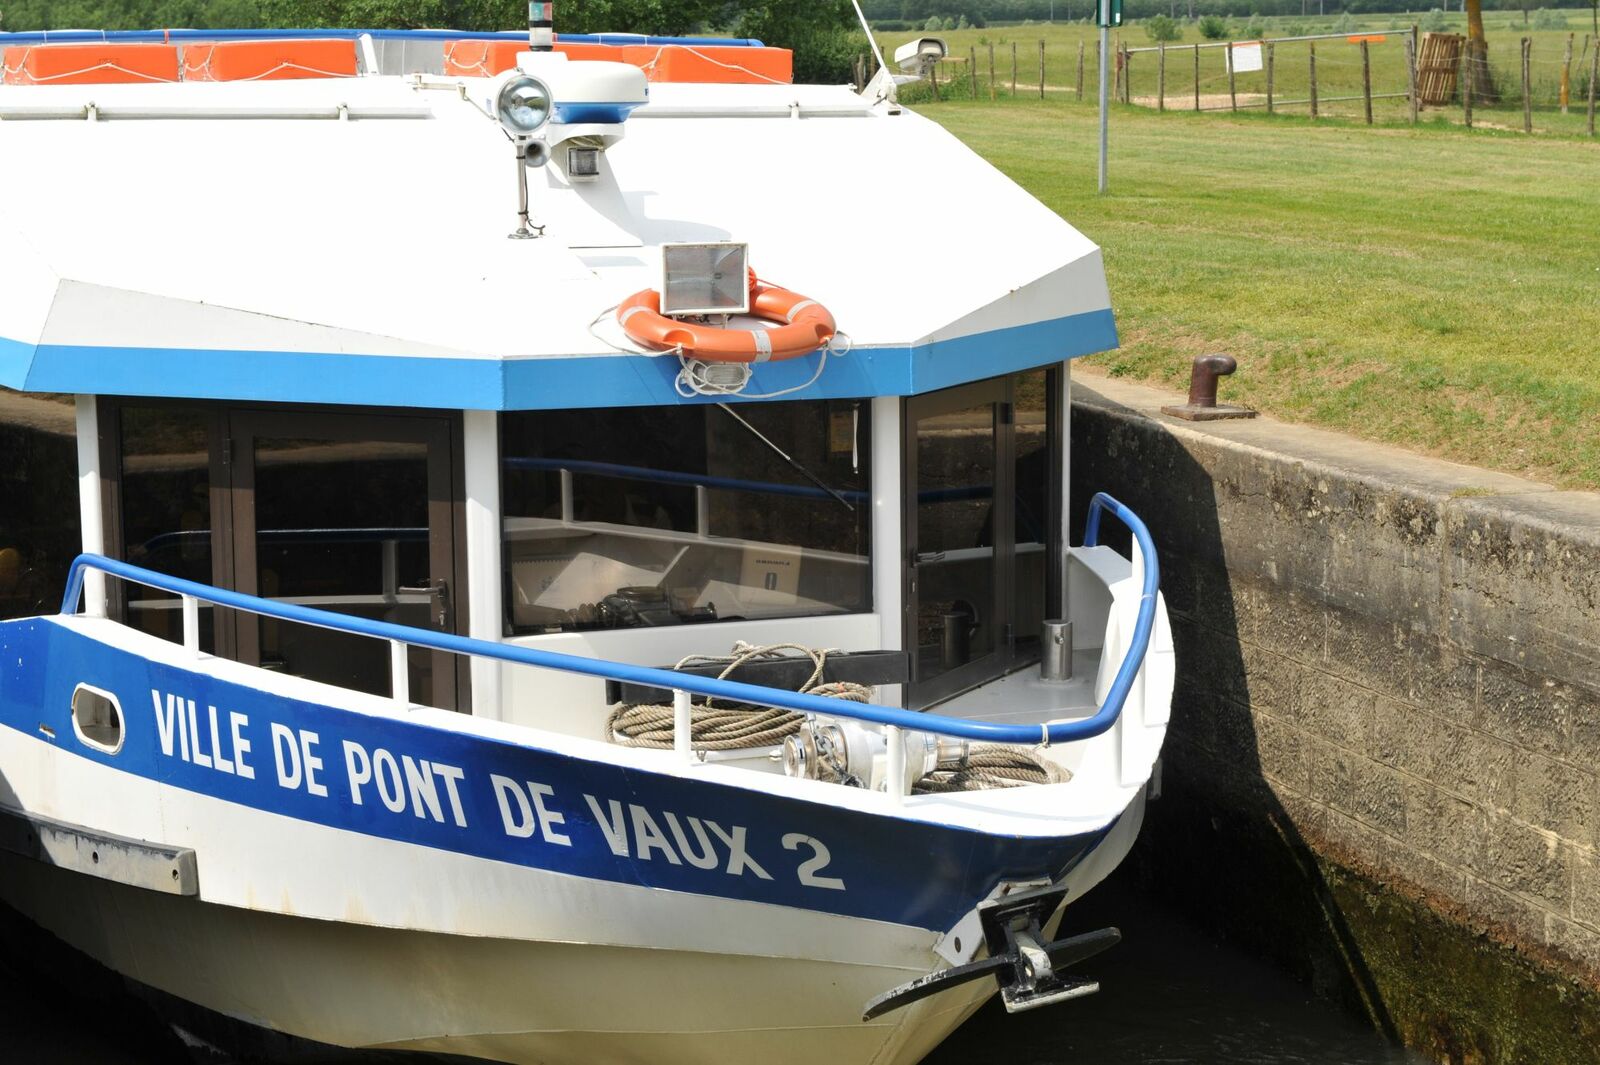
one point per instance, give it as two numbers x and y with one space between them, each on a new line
991 72
1269 77
972 69
1411 74
1566 75
1233 97
933 79
1080 70
1594 75
1127 75
1366 79
1527 85
1467 86
1161 77
1041 68
1013 68
1197 78
1311 46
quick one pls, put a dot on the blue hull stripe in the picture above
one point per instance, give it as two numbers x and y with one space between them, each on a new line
491 799
531 383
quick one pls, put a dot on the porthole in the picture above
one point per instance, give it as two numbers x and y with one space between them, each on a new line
97 718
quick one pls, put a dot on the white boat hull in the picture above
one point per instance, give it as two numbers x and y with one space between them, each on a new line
358 925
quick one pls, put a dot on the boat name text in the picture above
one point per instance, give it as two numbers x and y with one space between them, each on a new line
433 790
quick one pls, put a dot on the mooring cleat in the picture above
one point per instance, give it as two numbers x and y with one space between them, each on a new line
1029 971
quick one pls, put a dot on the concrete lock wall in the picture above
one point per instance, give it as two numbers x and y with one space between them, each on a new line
1382 764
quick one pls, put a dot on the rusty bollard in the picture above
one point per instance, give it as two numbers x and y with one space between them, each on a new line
1203 405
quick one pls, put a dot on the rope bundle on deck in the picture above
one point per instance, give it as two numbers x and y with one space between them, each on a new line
736 725
991 765
740 726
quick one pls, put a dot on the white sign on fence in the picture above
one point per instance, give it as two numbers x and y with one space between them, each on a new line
1246 56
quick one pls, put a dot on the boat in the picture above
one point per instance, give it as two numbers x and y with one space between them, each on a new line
576 559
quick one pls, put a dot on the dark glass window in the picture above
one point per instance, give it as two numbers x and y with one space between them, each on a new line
166 511
39 529
658 516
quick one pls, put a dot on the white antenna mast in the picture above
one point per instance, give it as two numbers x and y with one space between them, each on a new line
886 89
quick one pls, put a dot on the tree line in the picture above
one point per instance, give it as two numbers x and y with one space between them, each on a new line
913 14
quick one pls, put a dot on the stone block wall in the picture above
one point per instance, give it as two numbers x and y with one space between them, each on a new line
1382 768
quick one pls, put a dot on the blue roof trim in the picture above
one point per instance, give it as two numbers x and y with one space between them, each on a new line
610 114
164 36
534 383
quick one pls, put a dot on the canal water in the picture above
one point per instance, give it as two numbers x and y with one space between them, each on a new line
1170 995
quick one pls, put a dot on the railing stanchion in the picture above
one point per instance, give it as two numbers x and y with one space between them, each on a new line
702 510
191 624
399 675
682 725
897 763
566 495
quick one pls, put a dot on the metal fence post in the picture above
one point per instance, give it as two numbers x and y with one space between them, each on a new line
991 72
1269 77
1366 79
1013 68
1161 78
1080 70
972 69
1312 47
1233 94
1566 75
1594 76
1041 69
1527 85
1468 67
1411 74
1197 77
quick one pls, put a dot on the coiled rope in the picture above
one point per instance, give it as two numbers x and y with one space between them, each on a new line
738 726
991 765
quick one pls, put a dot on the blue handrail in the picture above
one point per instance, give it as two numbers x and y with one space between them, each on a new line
737 691
180 35
1144 622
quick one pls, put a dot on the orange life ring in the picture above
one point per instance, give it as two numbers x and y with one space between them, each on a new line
804 325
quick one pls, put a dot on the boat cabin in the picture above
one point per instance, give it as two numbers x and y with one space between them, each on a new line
311 367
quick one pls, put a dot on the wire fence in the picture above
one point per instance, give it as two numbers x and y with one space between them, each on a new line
1540 83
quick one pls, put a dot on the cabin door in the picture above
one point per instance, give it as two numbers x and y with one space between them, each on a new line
350 513
982 465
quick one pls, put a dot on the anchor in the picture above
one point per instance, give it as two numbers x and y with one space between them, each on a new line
1029 970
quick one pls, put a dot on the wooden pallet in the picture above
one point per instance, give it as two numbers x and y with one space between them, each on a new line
1437 63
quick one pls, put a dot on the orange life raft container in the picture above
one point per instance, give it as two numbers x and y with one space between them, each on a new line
804 325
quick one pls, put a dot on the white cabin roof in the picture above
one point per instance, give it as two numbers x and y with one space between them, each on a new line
184 243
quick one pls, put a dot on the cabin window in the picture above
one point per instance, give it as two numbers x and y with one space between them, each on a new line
641 516
982 529
39 533
166 511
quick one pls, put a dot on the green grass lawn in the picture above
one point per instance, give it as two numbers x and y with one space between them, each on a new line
1429 287
1338 65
